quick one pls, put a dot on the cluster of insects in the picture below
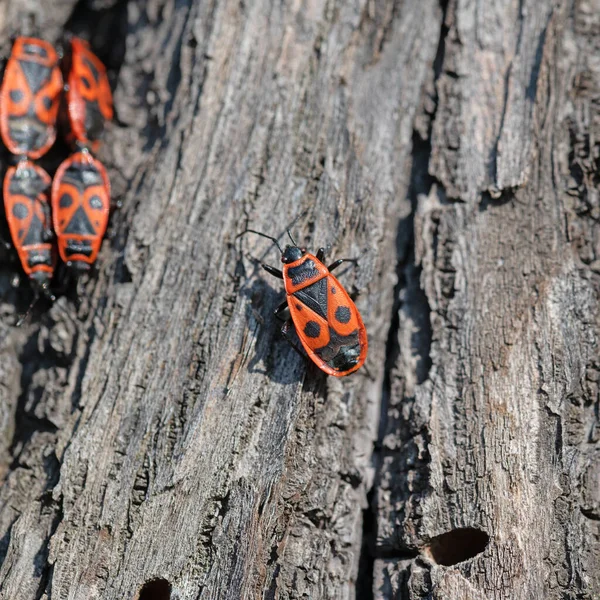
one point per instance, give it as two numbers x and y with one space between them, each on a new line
324 316
43 94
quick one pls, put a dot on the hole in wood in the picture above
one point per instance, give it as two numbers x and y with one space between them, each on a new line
457 545
155 589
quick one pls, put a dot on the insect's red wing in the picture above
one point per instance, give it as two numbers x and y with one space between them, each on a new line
89 99
80 207
29 98
28 215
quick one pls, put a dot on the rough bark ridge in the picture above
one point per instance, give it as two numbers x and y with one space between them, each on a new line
491 454
157 426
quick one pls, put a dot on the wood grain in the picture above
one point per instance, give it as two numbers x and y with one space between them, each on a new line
153 423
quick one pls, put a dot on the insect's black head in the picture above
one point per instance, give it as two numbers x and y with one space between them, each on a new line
292 254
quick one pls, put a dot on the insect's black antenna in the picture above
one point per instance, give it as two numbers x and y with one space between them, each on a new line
274 240
293 223
28 311
291 238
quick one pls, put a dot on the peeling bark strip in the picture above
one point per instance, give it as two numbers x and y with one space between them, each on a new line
158 438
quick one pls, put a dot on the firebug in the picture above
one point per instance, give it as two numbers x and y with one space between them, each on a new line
28 215
29 98
324 316
80 209
88 99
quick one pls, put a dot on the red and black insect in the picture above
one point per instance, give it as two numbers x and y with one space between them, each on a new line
29 98
80 209
326 319
28 216
88 99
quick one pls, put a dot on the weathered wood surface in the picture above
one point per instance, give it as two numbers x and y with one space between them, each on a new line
158 426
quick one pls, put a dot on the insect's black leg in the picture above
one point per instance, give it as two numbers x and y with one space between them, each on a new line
339 261
321 254
272 270
280 309
285 331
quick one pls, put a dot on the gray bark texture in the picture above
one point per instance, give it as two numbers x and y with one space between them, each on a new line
159 439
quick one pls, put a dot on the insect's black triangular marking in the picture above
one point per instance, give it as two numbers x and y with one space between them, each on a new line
315 297
34 233
80 224
36 75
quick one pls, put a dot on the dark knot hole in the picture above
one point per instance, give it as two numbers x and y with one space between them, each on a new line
457 545
155 589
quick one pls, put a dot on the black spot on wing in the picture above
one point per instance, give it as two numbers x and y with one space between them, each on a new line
304 272
20 211
342 314
65 201
96 203
312 329
315 297
16 95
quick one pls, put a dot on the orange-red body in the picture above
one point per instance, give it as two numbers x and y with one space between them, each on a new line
28 216
327 322
29 98
80 208
88 98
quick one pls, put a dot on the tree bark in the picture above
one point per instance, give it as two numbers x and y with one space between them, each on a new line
158 437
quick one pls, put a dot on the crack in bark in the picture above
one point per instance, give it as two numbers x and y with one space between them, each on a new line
407 293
